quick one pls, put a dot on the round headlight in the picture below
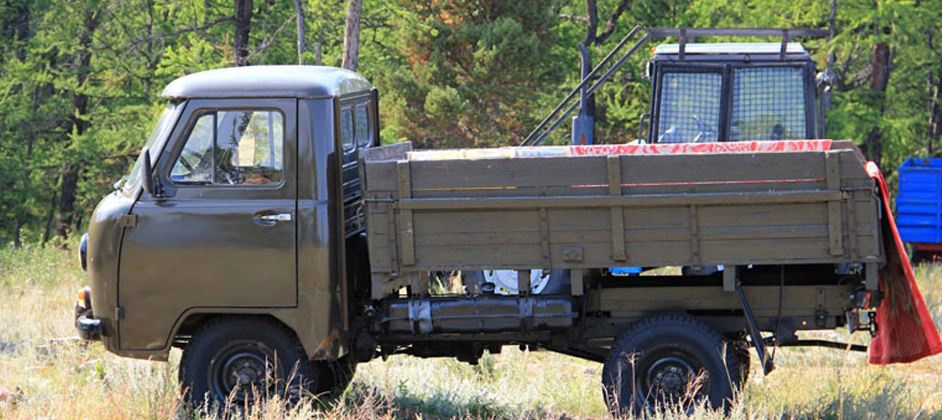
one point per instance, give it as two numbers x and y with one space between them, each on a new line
83 251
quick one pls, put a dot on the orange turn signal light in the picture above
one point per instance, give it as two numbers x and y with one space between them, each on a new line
85 297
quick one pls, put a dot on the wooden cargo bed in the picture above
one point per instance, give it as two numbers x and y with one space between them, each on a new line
652 207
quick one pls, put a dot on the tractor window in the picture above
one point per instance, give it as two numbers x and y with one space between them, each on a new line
768 104
689 107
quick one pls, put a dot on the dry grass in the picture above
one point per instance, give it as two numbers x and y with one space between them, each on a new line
44 373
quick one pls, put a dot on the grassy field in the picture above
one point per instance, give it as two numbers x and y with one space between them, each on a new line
45 373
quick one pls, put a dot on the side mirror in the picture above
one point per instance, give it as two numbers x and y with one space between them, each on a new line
823 81
641 129
147 171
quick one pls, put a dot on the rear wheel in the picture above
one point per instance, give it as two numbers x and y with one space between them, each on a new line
670 361
234 362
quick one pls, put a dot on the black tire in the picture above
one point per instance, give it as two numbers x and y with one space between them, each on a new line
654 363
229 356
339 375
559 282
916 257
744 358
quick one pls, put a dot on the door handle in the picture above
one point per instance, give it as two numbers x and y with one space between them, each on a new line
274 218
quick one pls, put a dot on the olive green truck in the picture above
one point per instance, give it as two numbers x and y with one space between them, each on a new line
266 232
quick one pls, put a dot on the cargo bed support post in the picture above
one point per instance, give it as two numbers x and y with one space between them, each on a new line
768 365
618 213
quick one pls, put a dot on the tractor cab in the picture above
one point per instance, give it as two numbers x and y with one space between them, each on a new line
709 92
734 92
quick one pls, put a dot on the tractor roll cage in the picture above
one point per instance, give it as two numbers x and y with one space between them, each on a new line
686 35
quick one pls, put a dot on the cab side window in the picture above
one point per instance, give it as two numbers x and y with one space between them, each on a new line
243 147
347 139
195 163
363 132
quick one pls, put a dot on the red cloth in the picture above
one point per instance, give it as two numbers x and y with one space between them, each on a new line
686 148
905 332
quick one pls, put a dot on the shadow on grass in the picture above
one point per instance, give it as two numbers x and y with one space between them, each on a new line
400 403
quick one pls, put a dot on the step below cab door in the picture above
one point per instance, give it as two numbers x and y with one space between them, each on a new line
221 231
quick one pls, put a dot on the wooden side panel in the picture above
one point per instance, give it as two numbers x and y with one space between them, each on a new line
567 212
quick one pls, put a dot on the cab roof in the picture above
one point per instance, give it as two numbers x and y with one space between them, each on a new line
729 52
732 48
267 82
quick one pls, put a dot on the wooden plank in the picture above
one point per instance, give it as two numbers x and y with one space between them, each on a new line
617 212
729 278
835 231
750 172
764 215
576 282
407 232
627 200
395 151
523 282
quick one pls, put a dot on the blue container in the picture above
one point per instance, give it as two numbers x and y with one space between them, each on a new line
919 203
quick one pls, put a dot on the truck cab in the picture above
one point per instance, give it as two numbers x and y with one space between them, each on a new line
734 92
239 205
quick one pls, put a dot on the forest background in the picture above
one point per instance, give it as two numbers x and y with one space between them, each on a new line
80 81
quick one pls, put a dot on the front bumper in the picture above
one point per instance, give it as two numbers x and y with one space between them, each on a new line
87 326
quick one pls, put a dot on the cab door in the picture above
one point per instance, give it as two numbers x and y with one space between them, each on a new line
220 231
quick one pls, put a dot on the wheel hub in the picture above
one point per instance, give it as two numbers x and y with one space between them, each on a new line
241 371
668 377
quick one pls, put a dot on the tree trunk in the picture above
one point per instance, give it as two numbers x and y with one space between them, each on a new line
47 234
149 47
317 53
299 11
880 63
935 114
351 36
243 27
934 86
592 14
76 127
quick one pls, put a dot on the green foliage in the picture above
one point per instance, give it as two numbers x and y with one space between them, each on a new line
469 74
450 73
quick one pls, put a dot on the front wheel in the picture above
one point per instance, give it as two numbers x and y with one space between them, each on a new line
232 362
670 360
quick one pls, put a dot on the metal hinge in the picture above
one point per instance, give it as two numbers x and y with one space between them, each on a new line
118 313
127 221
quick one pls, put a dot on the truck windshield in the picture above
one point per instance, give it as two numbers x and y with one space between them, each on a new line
159 132
768 104
765 103
689 107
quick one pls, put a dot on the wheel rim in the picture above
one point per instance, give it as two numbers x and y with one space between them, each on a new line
669 377
241 370
506 281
